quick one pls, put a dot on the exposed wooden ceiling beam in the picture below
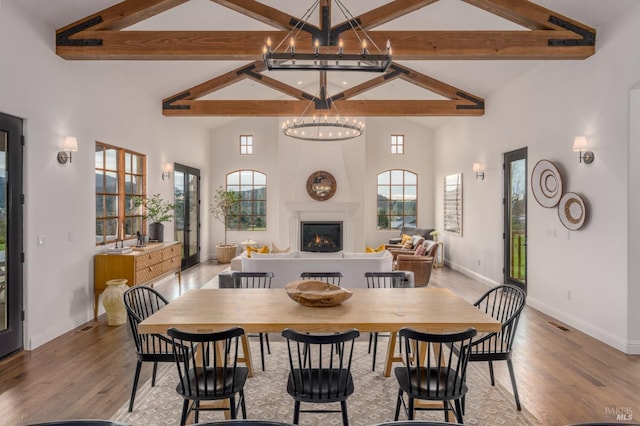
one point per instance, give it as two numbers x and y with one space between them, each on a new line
125 14
260 12
525 13
458 102
365 108
407 45
390 11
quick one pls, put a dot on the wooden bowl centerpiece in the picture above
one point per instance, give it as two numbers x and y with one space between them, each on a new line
317 293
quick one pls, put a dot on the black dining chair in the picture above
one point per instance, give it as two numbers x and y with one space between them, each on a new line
81 422
505 304
208 371
413 423
141 302
434 369
255 280
320 370
392 279
244 423
328 277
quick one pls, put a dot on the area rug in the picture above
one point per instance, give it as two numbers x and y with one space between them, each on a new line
373 401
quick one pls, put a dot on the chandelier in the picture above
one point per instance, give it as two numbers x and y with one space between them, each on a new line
330 126
326 128
326 37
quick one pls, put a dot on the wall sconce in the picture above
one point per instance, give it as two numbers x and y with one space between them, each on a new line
166 172
580 145
477 169
70 145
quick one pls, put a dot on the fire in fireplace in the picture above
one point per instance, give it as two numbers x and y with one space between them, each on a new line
321 236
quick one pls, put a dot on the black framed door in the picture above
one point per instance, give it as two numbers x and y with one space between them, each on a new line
187 213
11 231
515 218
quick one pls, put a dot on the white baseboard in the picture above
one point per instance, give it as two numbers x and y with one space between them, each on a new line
631 347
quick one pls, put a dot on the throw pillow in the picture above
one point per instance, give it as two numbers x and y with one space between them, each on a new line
375 250
407 245
276 249
405 238
421 250
417 239
263 249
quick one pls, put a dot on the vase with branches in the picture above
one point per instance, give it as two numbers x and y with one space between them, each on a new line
225 206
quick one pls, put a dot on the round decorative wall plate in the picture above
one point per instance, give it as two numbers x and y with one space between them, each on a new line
572 211
321 186
546 183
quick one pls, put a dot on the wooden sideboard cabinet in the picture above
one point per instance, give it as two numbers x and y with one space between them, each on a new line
146 266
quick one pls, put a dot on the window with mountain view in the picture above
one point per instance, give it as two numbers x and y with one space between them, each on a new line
252 209
397 199
120 179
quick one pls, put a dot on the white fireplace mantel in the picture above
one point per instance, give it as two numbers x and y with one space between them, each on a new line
321 210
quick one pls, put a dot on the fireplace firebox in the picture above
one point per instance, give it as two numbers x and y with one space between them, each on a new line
321 236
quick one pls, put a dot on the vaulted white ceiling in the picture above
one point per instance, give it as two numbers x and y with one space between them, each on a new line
480 77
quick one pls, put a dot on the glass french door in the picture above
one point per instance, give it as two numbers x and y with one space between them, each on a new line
11 246
515 218
187 213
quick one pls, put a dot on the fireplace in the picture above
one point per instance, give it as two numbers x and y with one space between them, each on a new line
321 236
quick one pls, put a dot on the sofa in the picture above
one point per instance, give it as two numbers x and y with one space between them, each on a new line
423 232
287 267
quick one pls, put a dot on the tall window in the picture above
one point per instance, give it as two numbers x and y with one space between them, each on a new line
397 199
252 211
397 144
246 144
120 178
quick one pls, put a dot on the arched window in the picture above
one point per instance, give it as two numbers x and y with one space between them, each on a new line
252 211
397 199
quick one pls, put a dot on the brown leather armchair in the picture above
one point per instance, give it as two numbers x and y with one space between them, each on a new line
421 266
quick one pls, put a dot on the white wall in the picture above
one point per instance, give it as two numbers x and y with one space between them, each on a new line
90 101
543 111
355 164
634 227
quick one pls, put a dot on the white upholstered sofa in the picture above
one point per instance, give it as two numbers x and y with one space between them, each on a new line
287 267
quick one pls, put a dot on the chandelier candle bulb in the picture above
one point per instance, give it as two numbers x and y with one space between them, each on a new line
316 47
340 47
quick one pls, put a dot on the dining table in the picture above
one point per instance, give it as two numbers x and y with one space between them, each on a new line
271 310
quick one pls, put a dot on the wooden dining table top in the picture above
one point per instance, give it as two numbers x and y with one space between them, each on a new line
434 310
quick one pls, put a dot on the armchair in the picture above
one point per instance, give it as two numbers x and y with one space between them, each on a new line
421 266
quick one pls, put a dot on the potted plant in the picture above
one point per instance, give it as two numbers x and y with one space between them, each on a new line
157 211
434 234
225 206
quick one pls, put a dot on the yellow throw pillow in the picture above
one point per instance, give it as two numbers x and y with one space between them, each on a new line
405 238
250 250
263 249
375 250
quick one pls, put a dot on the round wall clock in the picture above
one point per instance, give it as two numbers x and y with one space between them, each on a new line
321 186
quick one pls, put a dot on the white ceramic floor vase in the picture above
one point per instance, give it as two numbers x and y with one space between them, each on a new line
113 302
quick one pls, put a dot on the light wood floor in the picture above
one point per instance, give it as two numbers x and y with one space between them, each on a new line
563 376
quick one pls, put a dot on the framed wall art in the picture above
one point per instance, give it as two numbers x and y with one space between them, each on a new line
453 203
